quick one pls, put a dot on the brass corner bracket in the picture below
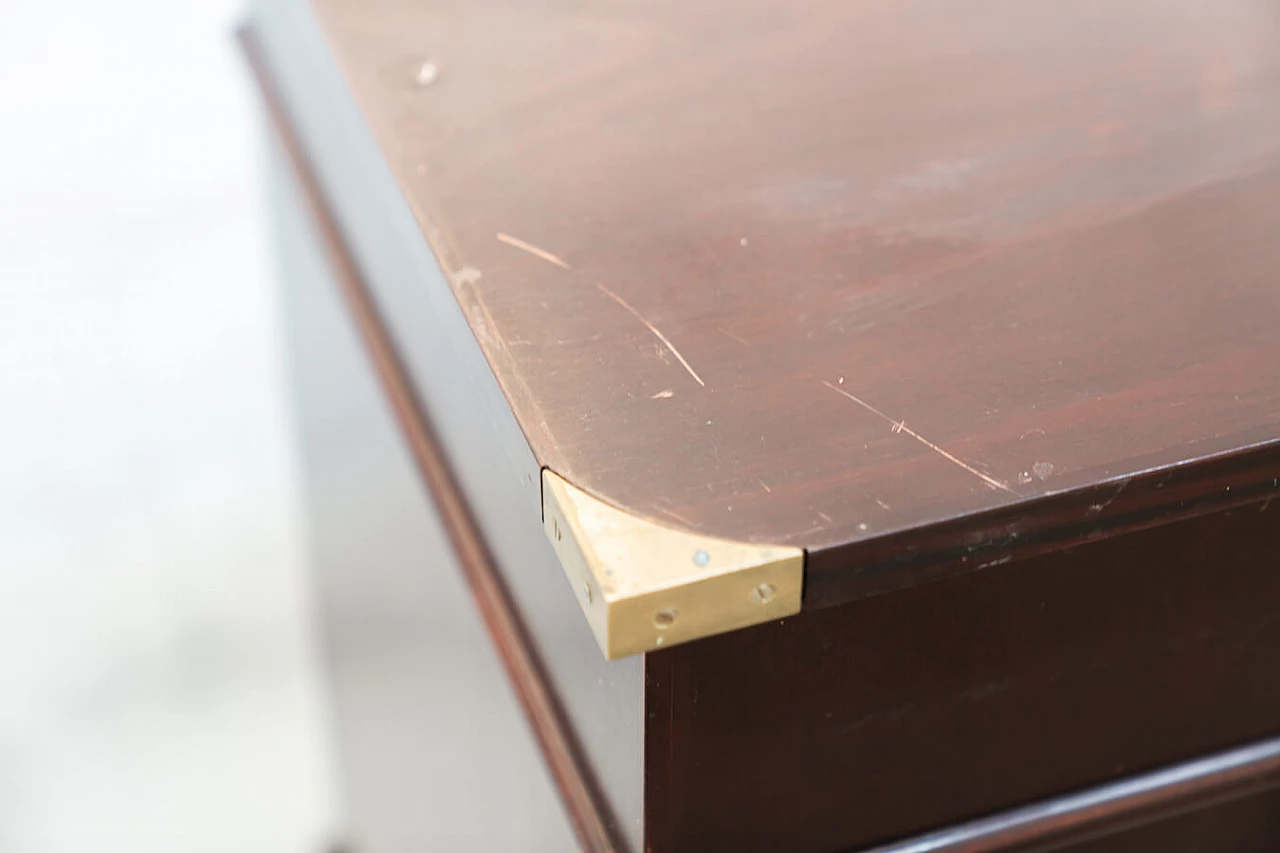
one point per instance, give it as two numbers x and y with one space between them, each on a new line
644 586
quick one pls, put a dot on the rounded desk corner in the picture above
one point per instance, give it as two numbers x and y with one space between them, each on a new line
644 586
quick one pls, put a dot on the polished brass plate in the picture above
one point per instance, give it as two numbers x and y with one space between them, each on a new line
645 586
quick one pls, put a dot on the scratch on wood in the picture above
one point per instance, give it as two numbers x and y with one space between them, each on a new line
764 485
1266 504
901 426
532 249
824 517
1100 507
722 330
676 517
654 329
565 341
662 395
998 561
882 504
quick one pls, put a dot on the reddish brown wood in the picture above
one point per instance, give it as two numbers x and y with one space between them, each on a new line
1155 497
1250 824
856 725
585 808
1226 801
923 288
1039 234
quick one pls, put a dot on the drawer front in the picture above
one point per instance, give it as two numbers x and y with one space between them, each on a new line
857 725
1250 824
1228 802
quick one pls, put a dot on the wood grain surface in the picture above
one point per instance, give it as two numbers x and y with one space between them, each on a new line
819 273
862 724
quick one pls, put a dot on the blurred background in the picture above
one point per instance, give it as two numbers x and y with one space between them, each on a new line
157 657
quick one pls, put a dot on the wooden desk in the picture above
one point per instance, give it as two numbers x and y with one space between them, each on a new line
939 345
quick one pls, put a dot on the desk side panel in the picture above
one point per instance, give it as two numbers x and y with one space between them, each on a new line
434 751
469 418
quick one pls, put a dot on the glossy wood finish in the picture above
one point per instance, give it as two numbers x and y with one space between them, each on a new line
1078 328
855 725
1034 240
1250 824
1228 801
1152 498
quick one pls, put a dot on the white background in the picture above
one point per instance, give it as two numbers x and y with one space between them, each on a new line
158 680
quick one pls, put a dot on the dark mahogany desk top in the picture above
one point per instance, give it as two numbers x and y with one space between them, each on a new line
813 273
